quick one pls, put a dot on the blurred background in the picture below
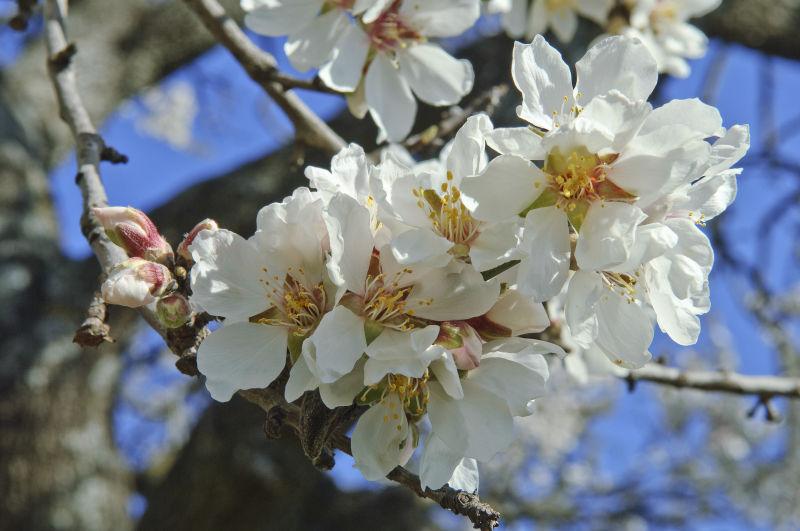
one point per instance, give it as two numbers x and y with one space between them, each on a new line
116 438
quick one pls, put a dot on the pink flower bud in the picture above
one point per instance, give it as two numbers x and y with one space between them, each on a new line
173 310
132 230
136 282
183 247
468 355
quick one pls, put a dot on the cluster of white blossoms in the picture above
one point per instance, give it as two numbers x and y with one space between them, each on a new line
409 288
660 24
375 51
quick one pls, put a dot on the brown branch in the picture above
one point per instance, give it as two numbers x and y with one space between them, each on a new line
724 382
19 22
262 68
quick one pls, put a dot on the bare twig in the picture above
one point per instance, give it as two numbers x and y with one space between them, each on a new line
724 382
262 68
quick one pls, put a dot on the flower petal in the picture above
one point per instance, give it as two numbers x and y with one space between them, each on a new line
544 80
241 356
390 101
377 438
607 235
282 17
339 342
343 72
507 186
546 253
312 45
620 63
435 76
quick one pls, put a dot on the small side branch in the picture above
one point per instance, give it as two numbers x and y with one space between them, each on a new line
262 68
764 387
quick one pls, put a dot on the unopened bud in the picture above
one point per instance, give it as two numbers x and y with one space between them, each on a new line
173 310
132 230
463 342
136 282
183 247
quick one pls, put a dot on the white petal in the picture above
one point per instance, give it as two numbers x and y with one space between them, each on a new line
477 426
282 17
607 235
351 243
596 10
421 247
546 253
514 371
564 23
676 317
467 149
519 141
339 342
702 119
729 149
389 97
507 186
519 313
618 63
583 295
616 116
625 330
301 379
438 463
377 438
440 18
446 373
312 45
465 476
343 391
452 296
344 71
544 80
435 76
494 245
225 277
241 356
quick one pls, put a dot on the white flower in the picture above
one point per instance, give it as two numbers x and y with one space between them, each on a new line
269 288
526 18
317 29
390 60
422 206
662 26
376 292
472 416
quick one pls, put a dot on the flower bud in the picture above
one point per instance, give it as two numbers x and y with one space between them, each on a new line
173 310
183 247
463 342
136 282
132 230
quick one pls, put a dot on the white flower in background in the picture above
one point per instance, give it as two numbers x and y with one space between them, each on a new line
269 288
315 27
527 18
662 26
422 206
378 297
382 57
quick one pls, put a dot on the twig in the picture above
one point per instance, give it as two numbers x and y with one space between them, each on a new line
724 382
19 22
94 330
262 68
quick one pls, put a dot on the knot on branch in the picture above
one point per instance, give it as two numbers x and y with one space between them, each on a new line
19 22
276 421
63 58
94 330
482 515
109 154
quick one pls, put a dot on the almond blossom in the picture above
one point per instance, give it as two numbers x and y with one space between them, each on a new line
527 18
269 288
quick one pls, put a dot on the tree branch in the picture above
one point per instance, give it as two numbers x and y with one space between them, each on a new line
262 68
724 382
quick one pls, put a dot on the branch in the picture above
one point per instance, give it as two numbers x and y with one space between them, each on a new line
725 382
262 68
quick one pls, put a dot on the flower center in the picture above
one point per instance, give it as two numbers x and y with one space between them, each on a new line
294 305
665 11
575 176
385 299
390 32
412 393
621 283
449 217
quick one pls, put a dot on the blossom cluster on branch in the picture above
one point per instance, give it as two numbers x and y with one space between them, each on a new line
408 287
412 288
